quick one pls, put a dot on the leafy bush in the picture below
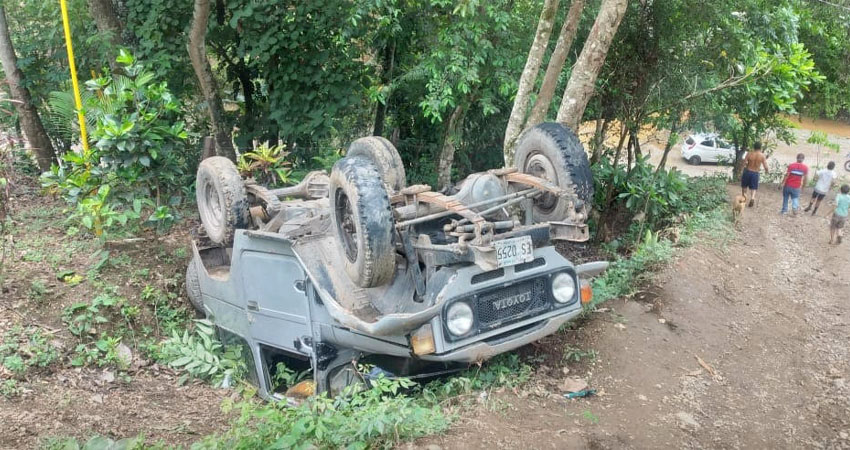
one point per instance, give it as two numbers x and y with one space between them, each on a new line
139 158
378 417
201 355
657 196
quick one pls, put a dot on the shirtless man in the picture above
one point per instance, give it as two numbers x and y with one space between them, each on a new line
753 163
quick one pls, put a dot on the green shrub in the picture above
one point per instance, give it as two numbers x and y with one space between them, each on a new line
139 157
378 417
200 355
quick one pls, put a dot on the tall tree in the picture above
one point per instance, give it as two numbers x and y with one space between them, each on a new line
583 79
30 121
198 54
556 64
529 76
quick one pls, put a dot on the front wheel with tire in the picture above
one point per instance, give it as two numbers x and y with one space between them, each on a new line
552 152
222 200
847 165
695 160
362 221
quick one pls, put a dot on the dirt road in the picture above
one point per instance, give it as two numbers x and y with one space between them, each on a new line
768 315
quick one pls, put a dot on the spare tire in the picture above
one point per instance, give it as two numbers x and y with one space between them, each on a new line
384 156
222 201
193 286
362 221
553 152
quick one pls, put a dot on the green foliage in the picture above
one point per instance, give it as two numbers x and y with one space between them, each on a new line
24 348
506 370
266 164
97 443
139 159
655 196
37 290
9 388
170 317
284 377
575 354
378 417
200 355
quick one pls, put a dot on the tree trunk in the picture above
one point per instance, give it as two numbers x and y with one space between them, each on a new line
581 85
556 64
386 79
198 56
31 124
454 133
106 20
596 144
528 77
671 140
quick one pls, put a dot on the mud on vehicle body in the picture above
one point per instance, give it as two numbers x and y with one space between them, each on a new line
358 267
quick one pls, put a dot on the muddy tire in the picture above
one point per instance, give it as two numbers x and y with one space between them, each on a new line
384 156
362 221
553 152
193 286
222 200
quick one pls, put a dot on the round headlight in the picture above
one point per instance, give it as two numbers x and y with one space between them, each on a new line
459 318
563 287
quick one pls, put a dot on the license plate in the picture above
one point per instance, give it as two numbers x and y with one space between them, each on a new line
513 251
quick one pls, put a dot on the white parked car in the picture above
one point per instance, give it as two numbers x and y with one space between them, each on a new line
700 148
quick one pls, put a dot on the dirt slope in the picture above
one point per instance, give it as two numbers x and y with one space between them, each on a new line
769 314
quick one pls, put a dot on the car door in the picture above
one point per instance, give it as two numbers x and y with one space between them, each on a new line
708 152
275 301
724 151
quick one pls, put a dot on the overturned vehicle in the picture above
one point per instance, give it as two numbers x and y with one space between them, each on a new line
359 267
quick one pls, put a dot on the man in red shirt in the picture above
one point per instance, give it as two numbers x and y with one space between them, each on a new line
792 184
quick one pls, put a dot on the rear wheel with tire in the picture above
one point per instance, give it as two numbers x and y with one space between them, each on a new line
553 152
222 200
847 165
193 286
695 160
362 221
384 156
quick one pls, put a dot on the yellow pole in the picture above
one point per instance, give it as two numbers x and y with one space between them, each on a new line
77 100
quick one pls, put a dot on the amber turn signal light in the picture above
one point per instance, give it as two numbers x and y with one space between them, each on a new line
422 340
586 293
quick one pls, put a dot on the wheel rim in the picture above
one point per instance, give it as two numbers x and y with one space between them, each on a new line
540 166
345 226
213 210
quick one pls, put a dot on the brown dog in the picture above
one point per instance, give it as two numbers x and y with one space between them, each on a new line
738 205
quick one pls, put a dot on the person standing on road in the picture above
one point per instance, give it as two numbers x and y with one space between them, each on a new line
839 214
824 178
753 163
792 184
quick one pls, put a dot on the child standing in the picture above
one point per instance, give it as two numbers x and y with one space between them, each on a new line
824 178
839 214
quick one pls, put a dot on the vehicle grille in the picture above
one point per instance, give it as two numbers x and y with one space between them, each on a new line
487 276
511 303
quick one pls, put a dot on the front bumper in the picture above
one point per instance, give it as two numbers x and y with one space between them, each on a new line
489 348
